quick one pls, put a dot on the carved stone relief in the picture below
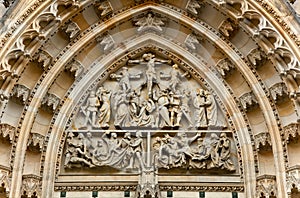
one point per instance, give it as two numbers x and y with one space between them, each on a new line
21 92
7 131
127 150
293 179
50 101
4 181
150 92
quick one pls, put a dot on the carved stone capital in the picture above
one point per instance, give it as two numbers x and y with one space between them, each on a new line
21 92
149 22
224 66
36 140
290 132
192 41
266 186
104 7
226 28
75 67
7 130
248 100
278 89
31 185
193 6
106 41
71 29
262 140
51 101
256 57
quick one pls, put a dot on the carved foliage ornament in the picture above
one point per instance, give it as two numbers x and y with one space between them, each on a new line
7 130
291 131
51 101
224 66
278 90
22 92
75 67
31 186
266 186
36 140
262 139
248 100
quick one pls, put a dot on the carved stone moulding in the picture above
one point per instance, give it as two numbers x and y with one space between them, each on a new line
62 187
266 186
31 186
293 179
216 188
291 132
263 141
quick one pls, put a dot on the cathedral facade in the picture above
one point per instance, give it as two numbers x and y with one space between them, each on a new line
150 98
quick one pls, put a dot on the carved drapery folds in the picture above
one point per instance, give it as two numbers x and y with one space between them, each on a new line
7 131
127 151
266 186
290 132
21 92
150 22
31 186
248 100
213 152
156 96
263 141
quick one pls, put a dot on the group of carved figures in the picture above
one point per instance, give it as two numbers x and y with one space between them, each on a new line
210 153
109 150
129 153
159 107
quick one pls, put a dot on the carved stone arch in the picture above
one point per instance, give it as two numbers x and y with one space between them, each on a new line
284 52
93 74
